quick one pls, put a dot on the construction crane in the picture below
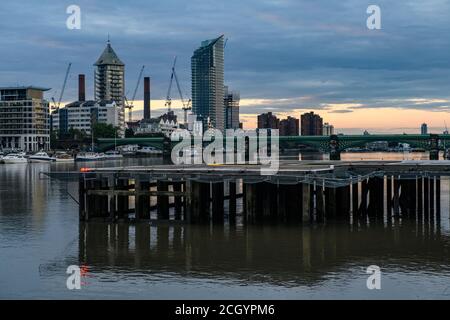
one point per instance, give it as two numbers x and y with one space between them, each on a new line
129 104
185 104
56 105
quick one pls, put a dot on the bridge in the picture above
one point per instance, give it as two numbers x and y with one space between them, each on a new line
333 144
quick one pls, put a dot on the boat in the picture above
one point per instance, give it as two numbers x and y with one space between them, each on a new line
64 157
14 158
113 155
129 150
90 156
148 151
41 156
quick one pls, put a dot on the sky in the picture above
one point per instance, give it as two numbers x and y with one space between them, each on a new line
284 56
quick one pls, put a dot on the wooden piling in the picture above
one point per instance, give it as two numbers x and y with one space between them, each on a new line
178 199
218 202
200 202
438 199
426 198
389 197
376 201
162 200
364 196
82 197
419 199
320 204
396 197
432 195
232 202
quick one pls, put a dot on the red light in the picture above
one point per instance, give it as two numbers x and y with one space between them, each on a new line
85 169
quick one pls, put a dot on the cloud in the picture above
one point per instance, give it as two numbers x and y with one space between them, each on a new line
282 55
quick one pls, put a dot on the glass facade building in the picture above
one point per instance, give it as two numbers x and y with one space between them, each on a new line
207 65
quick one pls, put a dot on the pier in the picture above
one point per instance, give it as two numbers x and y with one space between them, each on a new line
301 192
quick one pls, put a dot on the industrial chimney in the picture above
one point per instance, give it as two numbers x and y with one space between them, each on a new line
81 88
147 98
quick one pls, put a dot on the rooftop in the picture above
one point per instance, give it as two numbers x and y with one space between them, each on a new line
109 57
25 88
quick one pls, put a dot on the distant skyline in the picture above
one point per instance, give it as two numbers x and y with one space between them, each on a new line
287 57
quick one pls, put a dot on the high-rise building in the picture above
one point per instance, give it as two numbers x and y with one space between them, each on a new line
110 81
289 127
268 121
207 64
24 119
328 129
312 124
231 100
424 129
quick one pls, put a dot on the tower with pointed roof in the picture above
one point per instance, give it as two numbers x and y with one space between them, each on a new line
110 79
207 64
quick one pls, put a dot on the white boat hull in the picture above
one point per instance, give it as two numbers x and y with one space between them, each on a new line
65 160
36 160
14 161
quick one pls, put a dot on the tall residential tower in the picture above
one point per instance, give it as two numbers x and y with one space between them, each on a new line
207 65
110 81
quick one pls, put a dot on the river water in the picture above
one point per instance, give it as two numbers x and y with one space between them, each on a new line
40 236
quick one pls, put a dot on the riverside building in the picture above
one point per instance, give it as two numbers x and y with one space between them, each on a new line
24 119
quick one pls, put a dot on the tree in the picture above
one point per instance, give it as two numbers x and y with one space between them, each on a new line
129 133
103 130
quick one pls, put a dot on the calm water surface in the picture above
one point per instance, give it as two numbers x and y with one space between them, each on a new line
40 236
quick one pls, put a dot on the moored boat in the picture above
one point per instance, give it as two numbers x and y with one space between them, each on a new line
14 158
90 156
41 157
113 155
148 151
64 157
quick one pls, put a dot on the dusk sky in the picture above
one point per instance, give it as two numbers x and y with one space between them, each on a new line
283 56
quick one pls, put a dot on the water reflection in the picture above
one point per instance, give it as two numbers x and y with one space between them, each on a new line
279 255
40 235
